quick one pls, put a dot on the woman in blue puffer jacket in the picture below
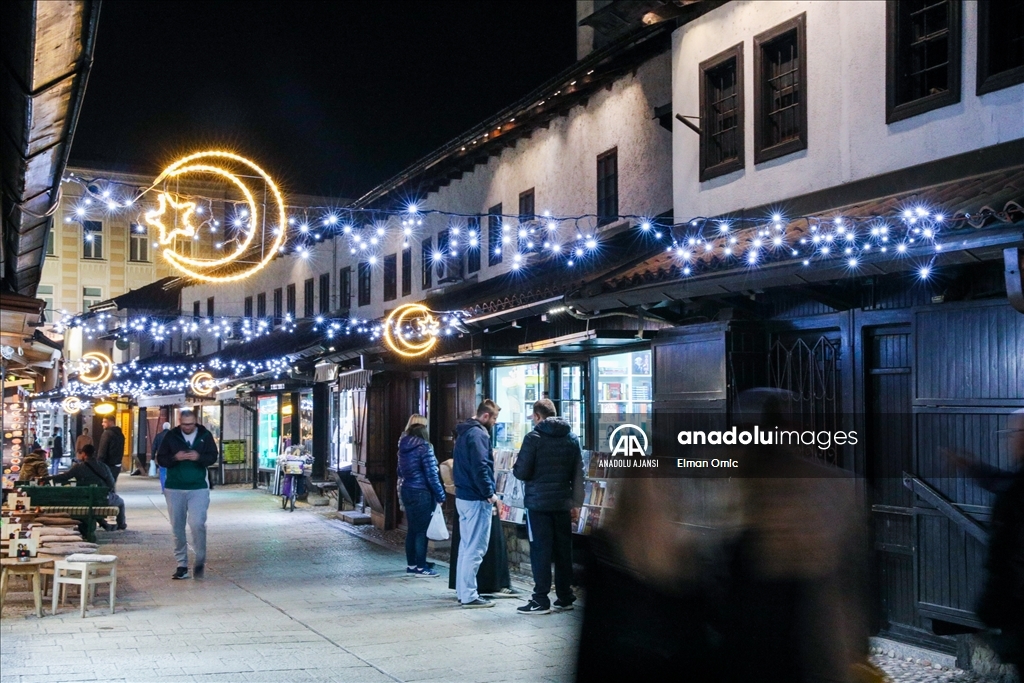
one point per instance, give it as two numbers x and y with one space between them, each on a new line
421 491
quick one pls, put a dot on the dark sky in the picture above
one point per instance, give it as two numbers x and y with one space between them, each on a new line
330 97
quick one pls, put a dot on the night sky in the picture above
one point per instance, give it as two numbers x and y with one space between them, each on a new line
332 98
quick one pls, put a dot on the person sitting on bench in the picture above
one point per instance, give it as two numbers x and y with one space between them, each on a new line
89 471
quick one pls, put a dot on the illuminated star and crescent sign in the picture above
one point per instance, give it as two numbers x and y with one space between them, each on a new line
411 330
72 405
202 383
97 368
173 218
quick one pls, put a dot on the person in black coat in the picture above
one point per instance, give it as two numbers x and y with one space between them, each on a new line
56 451
421 490
111 449
89 471
550 463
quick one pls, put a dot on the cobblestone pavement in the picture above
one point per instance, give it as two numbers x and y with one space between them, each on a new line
290 597
922 671
287 597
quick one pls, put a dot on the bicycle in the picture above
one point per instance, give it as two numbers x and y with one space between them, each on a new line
290 490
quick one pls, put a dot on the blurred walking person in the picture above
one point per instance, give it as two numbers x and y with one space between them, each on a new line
1001 605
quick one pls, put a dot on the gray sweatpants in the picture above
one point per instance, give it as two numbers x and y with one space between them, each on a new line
190 505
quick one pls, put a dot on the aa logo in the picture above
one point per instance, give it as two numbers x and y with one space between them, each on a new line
626 440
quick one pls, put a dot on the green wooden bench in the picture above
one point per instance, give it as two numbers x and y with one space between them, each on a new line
87 504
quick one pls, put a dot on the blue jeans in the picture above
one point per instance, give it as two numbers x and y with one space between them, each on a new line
475 529
419 505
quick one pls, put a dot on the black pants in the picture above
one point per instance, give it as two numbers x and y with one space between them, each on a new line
115 470
551 539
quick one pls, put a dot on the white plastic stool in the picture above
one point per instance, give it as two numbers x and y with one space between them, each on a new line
86 572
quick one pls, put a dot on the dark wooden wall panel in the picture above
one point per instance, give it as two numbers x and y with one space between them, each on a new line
972 433
970 353
949 561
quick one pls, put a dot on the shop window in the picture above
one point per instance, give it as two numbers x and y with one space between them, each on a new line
345 288
1000 44
325 293
209 307
407 271
247 307
267 432
342 426
721 98
261 305
365 275
308 304
391 277
278 305
290 303
138 243
495 233
90 297
473 245
780 90
92 239
196 309
526 205
427 263
624 392
922 56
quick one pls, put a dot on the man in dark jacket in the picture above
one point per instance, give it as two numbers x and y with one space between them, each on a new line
474 499
111 449
157 440
89 471
551 465
186 451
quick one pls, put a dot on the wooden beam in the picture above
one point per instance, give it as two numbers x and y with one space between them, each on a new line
1013 262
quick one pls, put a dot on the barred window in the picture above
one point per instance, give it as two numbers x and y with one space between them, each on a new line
608 186
721 97
922 56
1000 44
365 275
780 90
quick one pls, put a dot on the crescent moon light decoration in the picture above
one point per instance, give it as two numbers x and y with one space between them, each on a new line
201 383
222 165
423 322
99 374
71 405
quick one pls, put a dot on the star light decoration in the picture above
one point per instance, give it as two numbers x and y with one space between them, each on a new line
699 243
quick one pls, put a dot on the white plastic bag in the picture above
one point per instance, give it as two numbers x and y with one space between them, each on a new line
152 467
437 531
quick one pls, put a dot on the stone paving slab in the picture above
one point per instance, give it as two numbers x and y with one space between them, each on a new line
289 596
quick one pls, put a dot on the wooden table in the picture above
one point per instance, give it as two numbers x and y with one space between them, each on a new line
13 567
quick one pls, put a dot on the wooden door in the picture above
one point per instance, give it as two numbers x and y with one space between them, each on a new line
888 358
